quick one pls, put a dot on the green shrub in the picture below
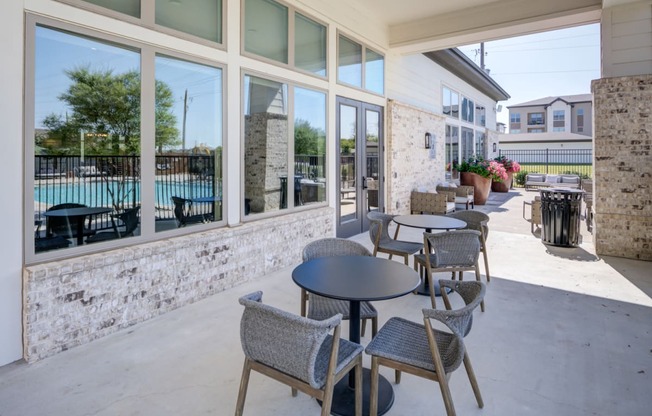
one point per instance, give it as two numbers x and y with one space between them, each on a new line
519 178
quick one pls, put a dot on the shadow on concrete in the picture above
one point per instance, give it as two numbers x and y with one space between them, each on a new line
497 200
636 271
571 253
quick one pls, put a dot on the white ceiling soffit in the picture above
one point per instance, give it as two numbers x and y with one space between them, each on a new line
473 21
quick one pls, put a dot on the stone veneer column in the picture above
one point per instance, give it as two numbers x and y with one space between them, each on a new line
623 166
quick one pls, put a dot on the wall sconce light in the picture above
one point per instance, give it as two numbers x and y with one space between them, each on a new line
494 146
428 140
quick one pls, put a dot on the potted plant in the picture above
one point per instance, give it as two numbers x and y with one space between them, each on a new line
479 173
511 167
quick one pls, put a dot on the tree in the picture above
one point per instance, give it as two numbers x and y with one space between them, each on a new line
308 140
106 107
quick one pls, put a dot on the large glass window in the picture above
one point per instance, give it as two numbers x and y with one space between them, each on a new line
452 151
480 144
266 29
310 144
352 57
466 144
310 45
199 18
203 19
88 141
349 66
374 72
480 115
188 143
271 181
450 103
468 109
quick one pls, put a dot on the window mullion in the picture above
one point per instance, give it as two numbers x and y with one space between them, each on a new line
148 12
147 146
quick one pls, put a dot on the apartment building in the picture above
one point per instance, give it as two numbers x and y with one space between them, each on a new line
563 114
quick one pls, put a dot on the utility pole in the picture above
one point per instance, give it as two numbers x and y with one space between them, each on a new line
482 55
183 129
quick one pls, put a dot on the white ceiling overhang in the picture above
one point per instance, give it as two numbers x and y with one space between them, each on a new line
417 26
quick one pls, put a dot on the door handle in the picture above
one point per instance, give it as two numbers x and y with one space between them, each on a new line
364 182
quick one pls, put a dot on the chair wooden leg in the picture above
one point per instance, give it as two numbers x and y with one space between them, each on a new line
295 392
374 327
358 388
244 383
363 328
431 286
397 376
446 394
373 388
486 263
477 277
304 300
472 379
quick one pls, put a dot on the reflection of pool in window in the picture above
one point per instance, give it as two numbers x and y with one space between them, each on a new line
98 193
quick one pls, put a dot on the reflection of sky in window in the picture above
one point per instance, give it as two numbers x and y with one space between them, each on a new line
57 52
204 86
310 106
348 122
374 71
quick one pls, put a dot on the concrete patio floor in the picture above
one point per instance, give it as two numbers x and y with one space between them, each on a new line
564 333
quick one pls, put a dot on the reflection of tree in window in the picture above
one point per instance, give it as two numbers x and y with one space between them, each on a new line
105 103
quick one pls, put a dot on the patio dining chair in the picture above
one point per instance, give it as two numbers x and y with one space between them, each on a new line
421 350
451 251
296 351
383 243
477 220
320 307
130 221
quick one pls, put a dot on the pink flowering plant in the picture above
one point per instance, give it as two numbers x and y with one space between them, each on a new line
511 166
485 168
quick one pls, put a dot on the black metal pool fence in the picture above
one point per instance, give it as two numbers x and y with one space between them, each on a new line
554 161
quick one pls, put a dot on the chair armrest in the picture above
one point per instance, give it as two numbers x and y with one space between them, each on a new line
464 190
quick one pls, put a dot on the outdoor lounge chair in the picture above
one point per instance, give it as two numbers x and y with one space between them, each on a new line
296 351
383 243
130 222
421 350
320 307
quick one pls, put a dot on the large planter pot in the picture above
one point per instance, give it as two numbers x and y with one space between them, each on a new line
481 186
503 186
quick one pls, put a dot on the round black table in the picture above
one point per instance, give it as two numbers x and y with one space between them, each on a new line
356 279
77 216
429 223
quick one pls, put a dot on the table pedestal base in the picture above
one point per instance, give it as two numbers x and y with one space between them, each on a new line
344 396
424 290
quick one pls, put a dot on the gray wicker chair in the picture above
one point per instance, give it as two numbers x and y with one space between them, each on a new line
424 351
451 251
320 307
296 351
130 222
383 243
476 220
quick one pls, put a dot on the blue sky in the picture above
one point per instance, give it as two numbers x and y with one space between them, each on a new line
561 62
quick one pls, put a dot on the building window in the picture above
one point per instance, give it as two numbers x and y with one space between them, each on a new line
580 120
352 57
450 103
558 129
268 138
309 45
468 110
480 144
514 131
266 29
201 19
452 148
467 149
558 115
480 115
88 140
535 119
515 118
535 130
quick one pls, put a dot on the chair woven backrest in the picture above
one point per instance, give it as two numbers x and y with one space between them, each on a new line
454 248
379 225
331 247
284 341
472 292
475 220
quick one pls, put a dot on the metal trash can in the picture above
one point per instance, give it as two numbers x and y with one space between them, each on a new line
560 216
